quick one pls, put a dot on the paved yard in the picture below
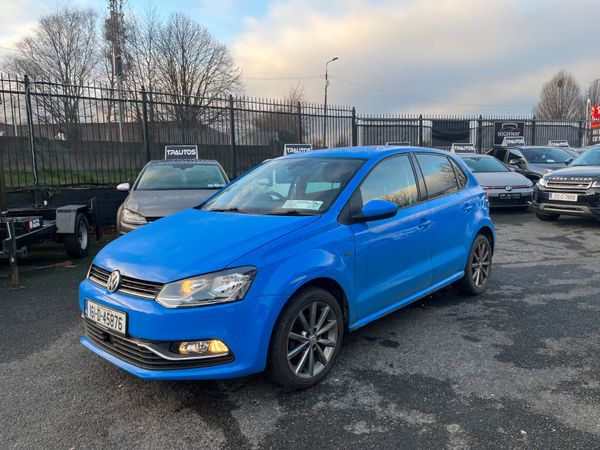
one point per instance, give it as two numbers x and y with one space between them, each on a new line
516 367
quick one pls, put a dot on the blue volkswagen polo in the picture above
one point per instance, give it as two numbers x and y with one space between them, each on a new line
273 270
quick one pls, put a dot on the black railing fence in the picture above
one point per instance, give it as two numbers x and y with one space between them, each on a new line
55 135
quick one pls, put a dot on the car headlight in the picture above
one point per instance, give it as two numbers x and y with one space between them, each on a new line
132 218
596 184
543 182
217 287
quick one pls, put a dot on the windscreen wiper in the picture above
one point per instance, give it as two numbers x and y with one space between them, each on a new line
237 210
292 212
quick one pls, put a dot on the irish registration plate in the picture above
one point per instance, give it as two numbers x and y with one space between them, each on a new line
107 317
561 196
509 195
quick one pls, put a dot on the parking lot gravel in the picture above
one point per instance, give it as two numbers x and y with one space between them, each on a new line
517 367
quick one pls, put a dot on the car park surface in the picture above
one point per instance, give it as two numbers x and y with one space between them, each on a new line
516 367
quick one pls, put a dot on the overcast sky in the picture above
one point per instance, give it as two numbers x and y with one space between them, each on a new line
409 56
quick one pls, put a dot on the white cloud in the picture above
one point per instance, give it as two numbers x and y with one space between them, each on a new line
468 51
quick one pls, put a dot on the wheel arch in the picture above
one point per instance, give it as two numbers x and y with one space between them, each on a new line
326 283
488 233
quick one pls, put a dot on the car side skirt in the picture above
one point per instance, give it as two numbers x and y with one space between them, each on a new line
406 301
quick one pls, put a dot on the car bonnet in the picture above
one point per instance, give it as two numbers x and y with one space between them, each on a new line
193 242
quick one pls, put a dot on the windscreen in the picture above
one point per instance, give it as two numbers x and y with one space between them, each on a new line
545 155
181 176
484 164
287 186
591 157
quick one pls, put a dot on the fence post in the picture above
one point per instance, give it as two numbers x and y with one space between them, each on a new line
354 128
581 126
299 123
232 137
533 133
480 134
420 130
145 124
29 115
3 204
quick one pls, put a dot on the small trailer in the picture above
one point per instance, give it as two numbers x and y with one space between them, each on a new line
21 228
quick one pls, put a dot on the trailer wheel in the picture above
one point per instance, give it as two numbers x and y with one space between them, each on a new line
77 243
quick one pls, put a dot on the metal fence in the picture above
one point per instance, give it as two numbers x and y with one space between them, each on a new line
55 135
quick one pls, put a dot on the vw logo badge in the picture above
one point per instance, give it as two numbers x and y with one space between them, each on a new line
114 280
508 188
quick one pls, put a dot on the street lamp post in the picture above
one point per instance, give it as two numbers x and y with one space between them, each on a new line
325 104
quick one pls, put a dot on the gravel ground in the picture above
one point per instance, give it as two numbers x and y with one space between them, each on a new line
517 367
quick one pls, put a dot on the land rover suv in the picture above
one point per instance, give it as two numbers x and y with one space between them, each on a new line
573 191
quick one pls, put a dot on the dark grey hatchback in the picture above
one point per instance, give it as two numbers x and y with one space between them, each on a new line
164 187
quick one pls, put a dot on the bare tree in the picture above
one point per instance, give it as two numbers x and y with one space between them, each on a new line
195 68
141 46
560 98
62 48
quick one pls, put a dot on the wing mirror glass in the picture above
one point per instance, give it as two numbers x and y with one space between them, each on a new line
125 187
376 210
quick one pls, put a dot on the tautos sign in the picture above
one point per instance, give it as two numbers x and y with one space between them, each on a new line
508 130
181 152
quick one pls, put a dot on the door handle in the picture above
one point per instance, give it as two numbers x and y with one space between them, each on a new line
424 224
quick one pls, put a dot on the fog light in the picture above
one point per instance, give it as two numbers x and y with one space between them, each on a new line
210 347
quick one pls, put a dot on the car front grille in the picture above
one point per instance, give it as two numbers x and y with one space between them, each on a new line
127 350
570 183
513 186
128 285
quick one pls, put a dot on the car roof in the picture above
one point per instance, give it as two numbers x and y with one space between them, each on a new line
164 162
363 152
475 155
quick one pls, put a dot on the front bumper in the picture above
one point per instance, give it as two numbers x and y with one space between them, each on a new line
500 198
245 327
587 204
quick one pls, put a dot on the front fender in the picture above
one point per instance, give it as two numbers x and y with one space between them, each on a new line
286 277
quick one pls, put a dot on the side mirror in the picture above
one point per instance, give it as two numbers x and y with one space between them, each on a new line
376 210
516 161
569 161
125 187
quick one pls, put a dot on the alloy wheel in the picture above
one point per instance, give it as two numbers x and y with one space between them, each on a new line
480 264
312 340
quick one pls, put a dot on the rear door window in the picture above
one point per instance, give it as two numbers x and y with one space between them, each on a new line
438 173
460 175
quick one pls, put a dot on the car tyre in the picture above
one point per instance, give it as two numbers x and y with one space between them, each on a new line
77 244
546 217
306 340
478 268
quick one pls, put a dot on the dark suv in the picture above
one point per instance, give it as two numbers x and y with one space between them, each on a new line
573 191
532 161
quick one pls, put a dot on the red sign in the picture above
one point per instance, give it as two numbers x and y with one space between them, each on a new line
595 116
